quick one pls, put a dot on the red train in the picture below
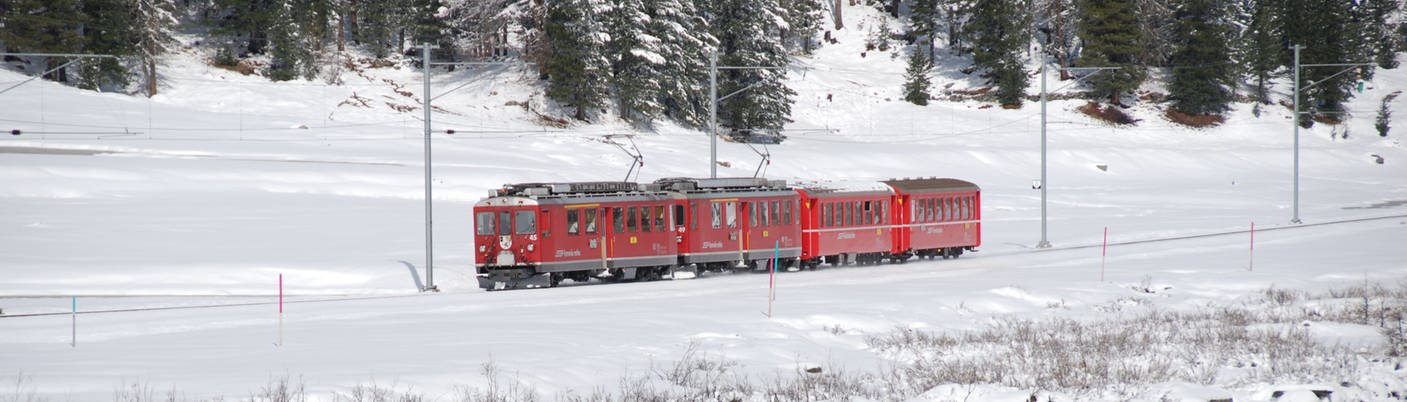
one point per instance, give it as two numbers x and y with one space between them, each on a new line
537 234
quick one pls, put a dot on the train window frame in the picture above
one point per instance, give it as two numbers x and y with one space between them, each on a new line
573 222
591 221
879 212
786 212
618 219
751 212
679 212
730 214
486 220
717 215
630 219
524 222
505 223
658 214
827 219
763 214
774 213
645 219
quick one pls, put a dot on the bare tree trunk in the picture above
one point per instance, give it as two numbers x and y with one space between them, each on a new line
342 29
839 22
151 77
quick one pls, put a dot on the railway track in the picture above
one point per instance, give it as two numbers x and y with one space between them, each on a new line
990 255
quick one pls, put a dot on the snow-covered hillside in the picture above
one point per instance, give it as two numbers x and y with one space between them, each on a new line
209 192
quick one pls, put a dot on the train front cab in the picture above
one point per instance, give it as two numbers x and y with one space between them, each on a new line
506 239
941 217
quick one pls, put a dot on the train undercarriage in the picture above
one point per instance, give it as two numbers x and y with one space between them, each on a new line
527 277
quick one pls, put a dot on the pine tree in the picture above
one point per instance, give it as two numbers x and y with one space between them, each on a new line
245 24
1110 33
1155 26
923 23
1379 32
1260 46
44 26
953 18
635 62
1057 32
747 36
376 25
803 21
1319 26
916 82
684 45
997 33
109 31
578 66
155 21
1202 72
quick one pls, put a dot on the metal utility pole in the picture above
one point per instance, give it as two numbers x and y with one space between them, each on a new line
713 103
429 216
1045 60
1349 66
713 114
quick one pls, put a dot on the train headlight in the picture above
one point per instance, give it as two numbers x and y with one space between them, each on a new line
530 247
483 248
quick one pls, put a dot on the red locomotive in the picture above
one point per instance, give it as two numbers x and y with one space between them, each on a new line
537 234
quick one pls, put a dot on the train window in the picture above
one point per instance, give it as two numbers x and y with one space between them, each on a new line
630 220
505 223
826 218
693 215
717 215
526 223
644 219
659 218
591 220
678 217
763 213
485 226
618 219
968 203
786 212
931 209
774 212
751 212
879 218
573 221
731 213
952 205
921 209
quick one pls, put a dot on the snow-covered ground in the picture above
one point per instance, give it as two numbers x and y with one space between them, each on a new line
207 193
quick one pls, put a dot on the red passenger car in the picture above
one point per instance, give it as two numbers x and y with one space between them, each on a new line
941 217
734 222
846 223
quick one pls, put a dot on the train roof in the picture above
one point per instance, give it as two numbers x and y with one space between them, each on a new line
689 184
931 185
845 187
